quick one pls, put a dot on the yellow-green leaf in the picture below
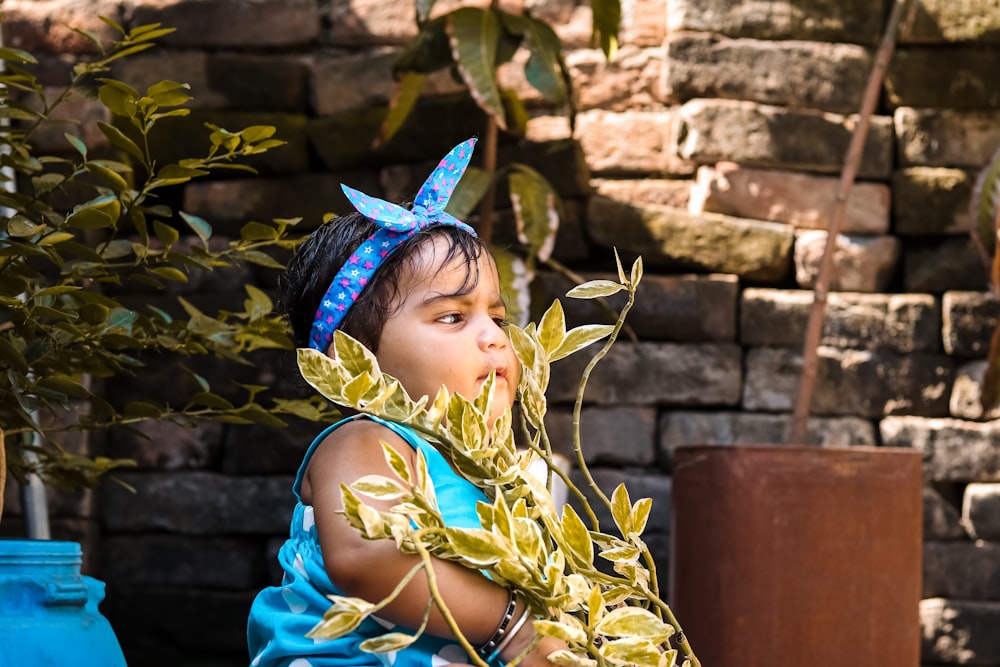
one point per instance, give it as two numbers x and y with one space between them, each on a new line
579 338
634 622
391 641
594 289
378 487
632 651
621 509
477 546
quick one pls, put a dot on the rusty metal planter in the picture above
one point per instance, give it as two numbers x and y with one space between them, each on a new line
798 556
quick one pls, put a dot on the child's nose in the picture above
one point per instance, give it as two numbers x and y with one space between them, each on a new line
492 336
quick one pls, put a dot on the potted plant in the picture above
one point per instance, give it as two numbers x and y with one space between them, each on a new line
78 229
772 545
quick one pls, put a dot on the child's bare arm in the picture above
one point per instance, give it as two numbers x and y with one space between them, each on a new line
371 569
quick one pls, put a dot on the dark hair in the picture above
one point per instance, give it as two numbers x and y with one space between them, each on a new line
317 260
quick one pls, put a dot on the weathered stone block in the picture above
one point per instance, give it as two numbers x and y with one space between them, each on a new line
52 27
967 393
817 75
633 80
941 518
677 308
228 204
962 569
825 20
850 382
168 446
231 23
613 436
944 137
959 632
673 238
981 513
770 136
968 320
170 560
954 450
896 322
681 428
860 263
240 81
365 22
652 373
942 21
802 200
631 142
198 503
938 265
348 82
663 191
922 77
265 450
931 200
159 626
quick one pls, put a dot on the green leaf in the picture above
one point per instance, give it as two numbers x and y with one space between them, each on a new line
256 231
595 289
552 328
535 211
173 174
165 233
77 143
579 338
119 98
168 93
198 225
631 651
473 35
16 56
55 238
468 193
640 514
12 356
170 273
606 19
210 400
562 631
544 69
22 227
261 259
403 100
109 175
396 462
98 213
428 51
142 409
120 140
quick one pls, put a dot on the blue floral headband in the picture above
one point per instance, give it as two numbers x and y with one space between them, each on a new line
395 225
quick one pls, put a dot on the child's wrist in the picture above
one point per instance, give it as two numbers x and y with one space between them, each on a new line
520 635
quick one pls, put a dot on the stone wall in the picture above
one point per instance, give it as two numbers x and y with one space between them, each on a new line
712 146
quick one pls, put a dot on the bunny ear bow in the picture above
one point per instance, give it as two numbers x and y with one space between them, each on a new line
430 202
396 224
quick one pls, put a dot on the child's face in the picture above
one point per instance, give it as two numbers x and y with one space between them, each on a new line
438 337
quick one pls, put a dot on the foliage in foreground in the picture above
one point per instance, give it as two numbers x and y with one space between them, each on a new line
79 231
548 558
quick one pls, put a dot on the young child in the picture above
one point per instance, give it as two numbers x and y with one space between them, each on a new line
421 291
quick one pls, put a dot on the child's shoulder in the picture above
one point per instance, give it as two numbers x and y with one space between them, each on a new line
352 450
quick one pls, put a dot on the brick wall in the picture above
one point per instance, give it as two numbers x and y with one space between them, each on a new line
712 146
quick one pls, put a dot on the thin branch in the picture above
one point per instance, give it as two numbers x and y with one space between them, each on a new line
814 329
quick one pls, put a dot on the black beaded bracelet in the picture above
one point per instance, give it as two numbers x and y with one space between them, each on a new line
490 646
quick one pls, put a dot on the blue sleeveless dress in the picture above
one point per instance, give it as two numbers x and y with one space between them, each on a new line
282 615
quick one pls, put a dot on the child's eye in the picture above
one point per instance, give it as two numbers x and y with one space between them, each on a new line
450 318
501 322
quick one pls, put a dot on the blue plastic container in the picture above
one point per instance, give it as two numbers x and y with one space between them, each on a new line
48 610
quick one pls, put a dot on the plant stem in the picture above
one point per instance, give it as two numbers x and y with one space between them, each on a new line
814 329
578 405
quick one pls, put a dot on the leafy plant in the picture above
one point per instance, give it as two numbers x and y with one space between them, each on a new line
78 232
548 558
984 213
473 43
